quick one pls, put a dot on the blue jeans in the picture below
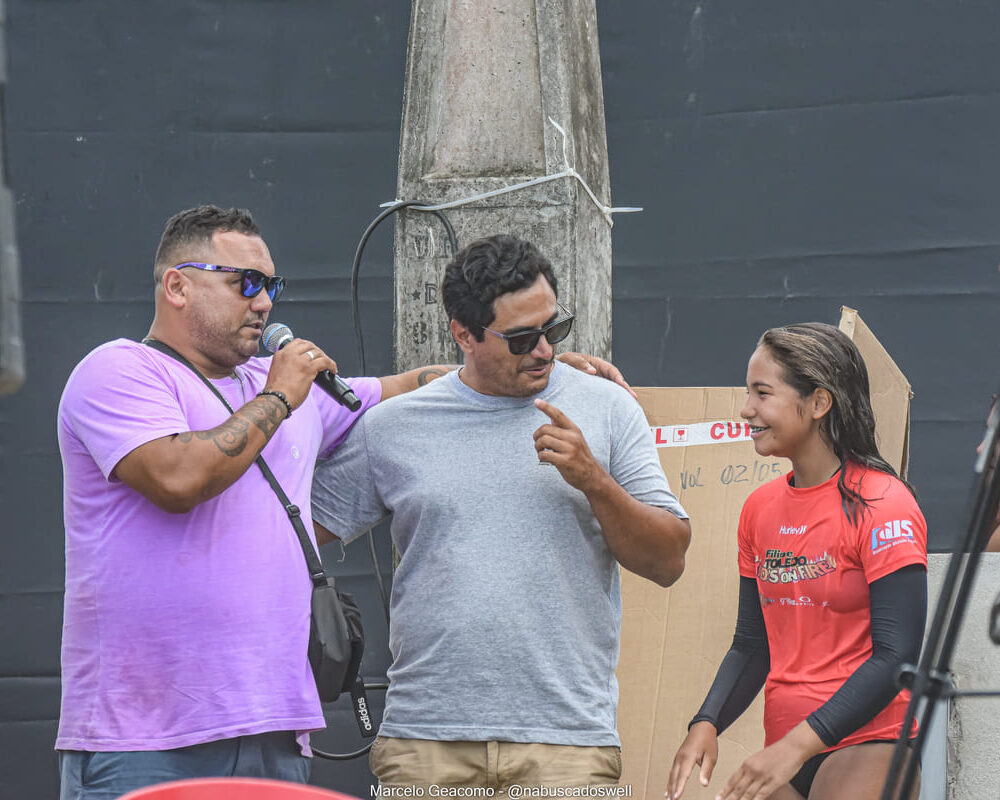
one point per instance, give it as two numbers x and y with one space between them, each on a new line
106 775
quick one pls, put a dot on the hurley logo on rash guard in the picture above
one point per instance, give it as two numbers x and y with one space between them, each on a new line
792 530
891 533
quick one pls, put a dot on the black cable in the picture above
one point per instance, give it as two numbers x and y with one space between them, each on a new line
356 268
356 311
378 579
359 335
343 756
383 685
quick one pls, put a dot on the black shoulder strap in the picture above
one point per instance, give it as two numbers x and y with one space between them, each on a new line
316 572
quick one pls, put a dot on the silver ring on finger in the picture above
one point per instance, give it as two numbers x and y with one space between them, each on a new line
311 354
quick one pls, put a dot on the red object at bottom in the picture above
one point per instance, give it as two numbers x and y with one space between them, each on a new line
233 789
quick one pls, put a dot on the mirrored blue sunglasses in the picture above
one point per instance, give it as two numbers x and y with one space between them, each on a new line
253 280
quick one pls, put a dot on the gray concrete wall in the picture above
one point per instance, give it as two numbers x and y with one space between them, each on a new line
973 723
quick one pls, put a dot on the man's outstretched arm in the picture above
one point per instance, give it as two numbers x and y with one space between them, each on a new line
645 539
404 382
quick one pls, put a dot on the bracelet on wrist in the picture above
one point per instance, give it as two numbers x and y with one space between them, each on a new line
280 395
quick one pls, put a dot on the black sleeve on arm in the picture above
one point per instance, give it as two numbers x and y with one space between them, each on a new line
898 611
742 672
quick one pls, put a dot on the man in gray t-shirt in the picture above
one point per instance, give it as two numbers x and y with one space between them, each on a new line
517 485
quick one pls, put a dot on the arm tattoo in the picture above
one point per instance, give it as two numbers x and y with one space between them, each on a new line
267 415
231 436
427 375
187 436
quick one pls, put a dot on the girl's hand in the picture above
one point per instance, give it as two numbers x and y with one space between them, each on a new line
761 774
765 772
700 747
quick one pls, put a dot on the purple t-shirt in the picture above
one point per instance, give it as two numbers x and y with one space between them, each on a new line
183 628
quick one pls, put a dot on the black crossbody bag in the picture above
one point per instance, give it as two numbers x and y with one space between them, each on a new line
336 637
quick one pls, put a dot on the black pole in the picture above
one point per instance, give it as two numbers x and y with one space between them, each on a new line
930 681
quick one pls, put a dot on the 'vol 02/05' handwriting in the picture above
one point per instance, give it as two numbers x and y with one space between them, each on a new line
755 472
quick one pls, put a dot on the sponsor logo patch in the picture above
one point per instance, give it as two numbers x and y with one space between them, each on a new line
891 533
784 566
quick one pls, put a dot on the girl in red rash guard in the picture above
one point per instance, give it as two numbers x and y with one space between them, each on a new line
833 586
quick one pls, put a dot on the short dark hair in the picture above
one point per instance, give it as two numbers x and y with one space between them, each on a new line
194 227
486 269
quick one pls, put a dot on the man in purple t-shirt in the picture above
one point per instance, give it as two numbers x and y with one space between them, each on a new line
187 596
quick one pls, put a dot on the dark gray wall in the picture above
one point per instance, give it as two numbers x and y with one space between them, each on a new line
793 158
119 114
790 160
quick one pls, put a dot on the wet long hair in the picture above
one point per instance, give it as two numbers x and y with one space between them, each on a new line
813 356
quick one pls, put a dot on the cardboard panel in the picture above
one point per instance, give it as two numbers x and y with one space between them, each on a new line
673 639
890 392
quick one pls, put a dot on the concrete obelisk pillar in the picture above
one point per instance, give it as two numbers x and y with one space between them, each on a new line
483 80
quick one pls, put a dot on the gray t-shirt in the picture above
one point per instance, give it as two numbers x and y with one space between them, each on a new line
506 605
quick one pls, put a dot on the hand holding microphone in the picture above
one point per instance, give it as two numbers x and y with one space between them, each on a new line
305 363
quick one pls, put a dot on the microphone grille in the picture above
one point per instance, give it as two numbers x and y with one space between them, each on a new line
275 336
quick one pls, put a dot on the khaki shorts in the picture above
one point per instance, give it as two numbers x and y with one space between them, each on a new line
406 766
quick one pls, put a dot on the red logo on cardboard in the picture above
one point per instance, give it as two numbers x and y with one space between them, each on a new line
730 430
695 433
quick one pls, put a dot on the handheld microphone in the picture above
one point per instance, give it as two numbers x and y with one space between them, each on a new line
276 336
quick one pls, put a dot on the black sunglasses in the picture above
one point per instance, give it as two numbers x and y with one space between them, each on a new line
524 342
253 279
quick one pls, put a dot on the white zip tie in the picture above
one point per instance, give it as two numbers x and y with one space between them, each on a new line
569 172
